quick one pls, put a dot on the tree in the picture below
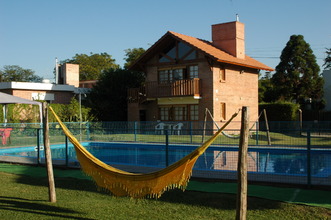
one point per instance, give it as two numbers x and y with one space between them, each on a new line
267 91
132 55
91 66
297 75
327 60
108 98
16 73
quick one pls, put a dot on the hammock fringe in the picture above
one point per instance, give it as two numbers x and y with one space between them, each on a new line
122 183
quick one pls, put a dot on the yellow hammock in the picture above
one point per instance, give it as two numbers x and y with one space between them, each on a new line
121 183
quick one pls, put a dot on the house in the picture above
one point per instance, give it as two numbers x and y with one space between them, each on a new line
186 75
66 87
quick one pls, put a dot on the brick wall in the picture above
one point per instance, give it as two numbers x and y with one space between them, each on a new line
62 97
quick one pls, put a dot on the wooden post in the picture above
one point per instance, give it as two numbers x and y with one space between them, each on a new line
267 126
242 166
204 126
48 157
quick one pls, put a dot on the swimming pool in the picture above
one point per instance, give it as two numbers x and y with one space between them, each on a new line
261 160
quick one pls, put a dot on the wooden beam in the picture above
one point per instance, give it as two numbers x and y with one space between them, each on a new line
242 166
48 157
267 126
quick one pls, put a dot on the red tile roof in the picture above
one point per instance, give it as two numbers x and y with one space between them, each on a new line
219 54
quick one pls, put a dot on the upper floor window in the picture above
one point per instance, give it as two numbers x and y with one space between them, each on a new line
177 51
193 71
170 75
222 74
178 73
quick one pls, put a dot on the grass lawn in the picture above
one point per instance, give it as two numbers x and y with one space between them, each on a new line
26 197
277 139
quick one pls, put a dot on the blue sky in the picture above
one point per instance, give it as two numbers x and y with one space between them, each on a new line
34 32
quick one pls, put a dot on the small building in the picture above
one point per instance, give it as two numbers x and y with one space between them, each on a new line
186 75
61 92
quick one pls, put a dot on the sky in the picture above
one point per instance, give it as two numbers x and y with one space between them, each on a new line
33 33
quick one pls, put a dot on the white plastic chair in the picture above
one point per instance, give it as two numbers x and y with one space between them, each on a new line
159 128
178 128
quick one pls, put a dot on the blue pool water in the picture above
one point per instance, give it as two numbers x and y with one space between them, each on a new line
261 160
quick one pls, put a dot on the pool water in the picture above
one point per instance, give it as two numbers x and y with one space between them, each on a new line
260 160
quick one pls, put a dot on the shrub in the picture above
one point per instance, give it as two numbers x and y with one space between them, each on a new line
280 111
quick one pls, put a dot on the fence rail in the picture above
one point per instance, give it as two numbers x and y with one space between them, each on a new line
294 156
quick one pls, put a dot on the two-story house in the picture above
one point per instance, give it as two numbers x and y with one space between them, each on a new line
186 75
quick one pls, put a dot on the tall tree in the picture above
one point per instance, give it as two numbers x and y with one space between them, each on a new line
16 73
297 75
266 89
132 55
91 66
327 60
108 98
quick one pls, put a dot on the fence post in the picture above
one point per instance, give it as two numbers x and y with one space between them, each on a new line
241 210
309 158
67 150
257 133
167 147
38 146
191 132
48 156
87 130
135 131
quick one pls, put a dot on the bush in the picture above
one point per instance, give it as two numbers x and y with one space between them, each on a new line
282 111
24 113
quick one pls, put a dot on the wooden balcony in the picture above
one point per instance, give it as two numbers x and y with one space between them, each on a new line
185 87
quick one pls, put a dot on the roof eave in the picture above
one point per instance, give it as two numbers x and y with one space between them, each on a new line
246 65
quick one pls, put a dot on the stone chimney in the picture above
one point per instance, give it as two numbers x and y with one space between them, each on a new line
230 37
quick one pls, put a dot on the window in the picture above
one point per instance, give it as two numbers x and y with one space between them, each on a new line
194 112
222 74
193 71
177 51
164 76
171 75
223 111
164 113
178 73
179 113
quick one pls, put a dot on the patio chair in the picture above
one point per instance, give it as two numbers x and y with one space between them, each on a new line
159 128
177 128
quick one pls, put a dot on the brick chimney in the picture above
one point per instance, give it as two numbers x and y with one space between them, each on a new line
230 37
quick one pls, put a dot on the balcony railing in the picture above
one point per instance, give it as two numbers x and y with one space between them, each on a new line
185 87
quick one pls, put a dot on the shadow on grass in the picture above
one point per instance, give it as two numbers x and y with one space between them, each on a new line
67 183
204 199
221 201
35 207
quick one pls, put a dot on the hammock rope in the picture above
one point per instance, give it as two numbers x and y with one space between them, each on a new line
136 185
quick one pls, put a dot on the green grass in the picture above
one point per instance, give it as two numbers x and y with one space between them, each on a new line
276 139
26 197
282 139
